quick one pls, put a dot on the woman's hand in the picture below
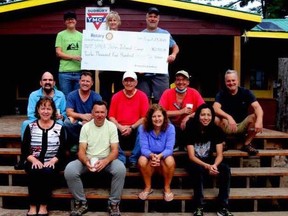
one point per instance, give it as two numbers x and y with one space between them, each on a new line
213 170
155 160
36 164
49 164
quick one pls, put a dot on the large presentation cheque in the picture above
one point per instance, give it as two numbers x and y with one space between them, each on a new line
122 51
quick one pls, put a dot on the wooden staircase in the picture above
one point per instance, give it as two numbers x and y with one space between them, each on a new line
258 182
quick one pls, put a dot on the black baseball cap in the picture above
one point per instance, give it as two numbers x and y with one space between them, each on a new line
153 10
70 15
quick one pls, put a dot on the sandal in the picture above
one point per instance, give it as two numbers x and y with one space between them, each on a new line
144 194
168 196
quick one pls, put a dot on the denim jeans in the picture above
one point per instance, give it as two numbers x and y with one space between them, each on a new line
69 81
136 152
130 142
121 155
198 175
73 132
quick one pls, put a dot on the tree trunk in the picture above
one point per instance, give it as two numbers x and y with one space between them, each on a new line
282 114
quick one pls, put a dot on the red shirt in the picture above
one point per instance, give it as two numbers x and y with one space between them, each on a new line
126 110
169 102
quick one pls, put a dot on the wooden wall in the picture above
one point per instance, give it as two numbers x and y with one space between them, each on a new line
182 23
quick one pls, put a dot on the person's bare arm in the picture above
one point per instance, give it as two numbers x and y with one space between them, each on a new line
259 116
223 115
172 56
65 56
82 153
74 115
183 111
192 157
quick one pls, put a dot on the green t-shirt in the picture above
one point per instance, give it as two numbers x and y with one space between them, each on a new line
98 139
71 43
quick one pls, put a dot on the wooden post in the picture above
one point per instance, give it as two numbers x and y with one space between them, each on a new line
97 83
237 55
282 114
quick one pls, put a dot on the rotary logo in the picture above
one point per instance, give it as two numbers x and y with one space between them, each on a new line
109 36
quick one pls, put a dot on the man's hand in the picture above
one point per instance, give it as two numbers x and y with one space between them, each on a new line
125 130
171 58
100 165
232 124
258 127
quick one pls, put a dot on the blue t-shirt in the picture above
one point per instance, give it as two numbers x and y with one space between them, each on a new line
160 30
74 101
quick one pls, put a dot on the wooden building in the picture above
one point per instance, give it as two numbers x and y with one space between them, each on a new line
210 40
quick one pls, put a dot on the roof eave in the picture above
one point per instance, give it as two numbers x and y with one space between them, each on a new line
275 35
26 4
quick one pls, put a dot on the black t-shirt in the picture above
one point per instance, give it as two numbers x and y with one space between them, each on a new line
204 144
236 105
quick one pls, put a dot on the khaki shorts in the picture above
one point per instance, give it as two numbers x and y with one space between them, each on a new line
241 128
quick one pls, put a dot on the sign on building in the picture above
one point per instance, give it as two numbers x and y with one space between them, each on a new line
95 18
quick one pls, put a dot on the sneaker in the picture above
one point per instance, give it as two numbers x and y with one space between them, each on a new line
79 208
224 212
113 209
249 149
198 212
133 167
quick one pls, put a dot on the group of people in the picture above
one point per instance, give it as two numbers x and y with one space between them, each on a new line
77 130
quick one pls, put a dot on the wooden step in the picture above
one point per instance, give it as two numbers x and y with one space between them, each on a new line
179 194
181 172
10 126
271 134
10 151
248 172
17 212
228 153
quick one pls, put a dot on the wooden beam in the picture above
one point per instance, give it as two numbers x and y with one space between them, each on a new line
237 55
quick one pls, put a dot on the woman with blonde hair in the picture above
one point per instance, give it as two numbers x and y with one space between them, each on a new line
111 81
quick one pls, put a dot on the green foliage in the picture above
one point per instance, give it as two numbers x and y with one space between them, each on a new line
271 8
276 8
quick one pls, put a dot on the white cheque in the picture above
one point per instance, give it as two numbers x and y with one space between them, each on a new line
122 51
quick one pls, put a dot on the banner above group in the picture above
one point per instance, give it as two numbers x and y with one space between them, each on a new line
123 51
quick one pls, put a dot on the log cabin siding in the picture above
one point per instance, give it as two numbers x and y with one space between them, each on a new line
132 20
